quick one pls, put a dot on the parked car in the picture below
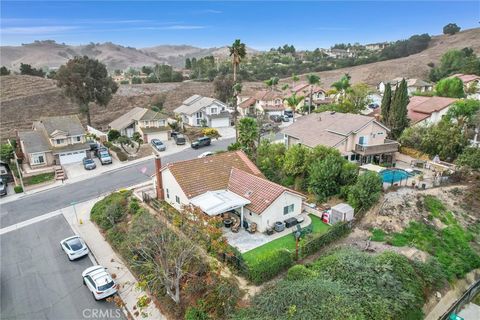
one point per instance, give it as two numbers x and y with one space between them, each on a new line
205 154
285 118
74 247
104 156
99 282
159 145
93 145
179 139
288 113
276 118
89 164
267 127
3 187
373 106
201 142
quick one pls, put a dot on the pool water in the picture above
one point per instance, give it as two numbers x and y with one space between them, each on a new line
390 175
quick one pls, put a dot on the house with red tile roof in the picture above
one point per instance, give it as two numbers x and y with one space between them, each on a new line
269 102
228 182
471 84
428 110
319 95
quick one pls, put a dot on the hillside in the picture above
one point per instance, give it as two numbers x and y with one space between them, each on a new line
49 54
414 66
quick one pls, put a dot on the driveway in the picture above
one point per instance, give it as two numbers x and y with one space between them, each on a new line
39 282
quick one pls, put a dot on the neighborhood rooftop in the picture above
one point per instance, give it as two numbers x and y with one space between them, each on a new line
194 104
198 176
34 141
421 108
136 114
70 125
326 128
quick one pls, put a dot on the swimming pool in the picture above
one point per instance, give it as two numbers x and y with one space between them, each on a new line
394 175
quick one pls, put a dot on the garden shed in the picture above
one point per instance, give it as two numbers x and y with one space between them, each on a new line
341 212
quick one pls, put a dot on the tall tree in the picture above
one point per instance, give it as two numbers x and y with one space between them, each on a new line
237 52
86 80
188 63
4 71
295 79
450 87
293 101
223 87
342 85
313 80
451 29
272 83
386 104
398 114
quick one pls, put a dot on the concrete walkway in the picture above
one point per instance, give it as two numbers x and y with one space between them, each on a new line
79 220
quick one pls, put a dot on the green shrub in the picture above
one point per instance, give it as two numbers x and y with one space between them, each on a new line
196 313
269 266
313 242
115 237
300 272
18 189
134 206
378 235
113 135
108 144
110 210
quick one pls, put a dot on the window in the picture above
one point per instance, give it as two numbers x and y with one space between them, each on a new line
59 141
213 110
352 157
78 139
199 115
38 159
288 209
168 193
177 199
199 122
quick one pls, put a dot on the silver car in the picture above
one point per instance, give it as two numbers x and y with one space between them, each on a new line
99 282
74 247
159 145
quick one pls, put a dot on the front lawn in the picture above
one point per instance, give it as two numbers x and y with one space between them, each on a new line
285 242
39 178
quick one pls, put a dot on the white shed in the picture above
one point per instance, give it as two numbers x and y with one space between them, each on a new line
341 212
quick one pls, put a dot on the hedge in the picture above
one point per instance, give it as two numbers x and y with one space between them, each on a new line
269 266
312 243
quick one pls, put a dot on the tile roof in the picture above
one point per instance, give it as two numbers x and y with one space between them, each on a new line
197 176
126 119
466 78
71 147
421 108
195 103
267 95
413 82
151 115
326 128
260 191
247 103
304 89
34 141
68 124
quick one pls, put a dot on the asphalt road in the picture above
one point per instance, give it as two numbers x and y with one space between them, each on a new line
60 197
39 282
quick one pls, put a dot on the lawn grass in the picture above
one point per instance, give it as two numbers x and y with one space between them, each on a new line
378 235
285 242
39 178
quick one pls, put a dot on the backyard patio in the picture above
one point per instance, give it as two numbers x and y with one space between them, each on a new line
252 245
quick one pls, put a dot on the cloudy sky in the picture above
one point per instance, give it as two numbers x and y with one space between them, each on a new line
260 24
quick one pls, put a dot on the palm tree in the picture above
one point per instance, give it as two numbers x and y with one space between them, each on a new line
272 82
237 52
313 80
342 85
295 78
237 89
293 102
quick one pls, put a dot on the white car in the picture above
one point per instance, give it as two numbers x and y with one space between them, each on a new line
74 247
99 282
205 154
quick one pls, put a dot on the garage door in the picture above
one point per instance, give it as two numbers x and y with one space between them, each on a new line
220 122
71 157
163 136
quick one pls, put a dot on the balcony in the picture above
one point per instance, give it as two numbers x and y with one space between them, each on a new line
389 146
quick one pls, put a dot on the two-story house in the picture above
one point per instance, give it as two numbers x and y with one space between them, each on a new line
226 182
428 110
319 96
150 124
53 141
198 111
359 138
413 85
471 84
264 102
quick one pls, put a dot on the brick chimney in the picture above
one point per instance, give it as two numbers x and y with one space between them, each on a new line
158 175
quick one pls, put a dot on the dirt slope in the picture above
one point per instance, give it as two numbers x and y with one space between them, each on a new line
414 66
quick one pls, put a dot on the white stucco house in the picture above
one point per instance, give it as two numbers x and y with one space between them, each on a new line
227 182
413 85
198 111
428 110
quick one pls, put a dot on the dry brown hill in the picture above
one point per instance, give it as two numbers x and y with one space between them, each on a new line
414 66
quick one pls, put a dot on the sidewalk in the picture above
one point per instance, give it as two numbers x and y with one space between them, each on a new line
105 256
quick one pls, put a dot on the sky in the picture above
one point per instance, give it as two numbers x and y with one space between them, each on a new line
260 24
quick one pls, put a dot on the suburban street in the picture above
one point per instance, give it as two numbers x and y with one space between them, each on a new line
37 280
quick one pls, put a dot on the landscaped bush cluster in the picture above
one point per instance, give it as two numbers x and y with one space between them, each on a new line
312 242
269 265
321 171
349 284
135 233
